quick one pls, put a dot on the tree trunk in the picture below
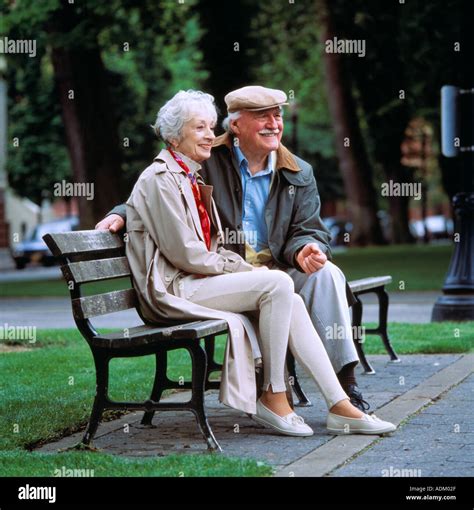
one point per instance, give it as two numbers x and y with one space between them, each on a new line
354 163
398 206
375 77
89 122
226 48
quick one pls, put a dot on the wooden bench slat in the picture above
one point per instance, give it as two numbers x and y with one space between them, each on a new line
369 283
102 304
148 334
96 270
200 329
82 241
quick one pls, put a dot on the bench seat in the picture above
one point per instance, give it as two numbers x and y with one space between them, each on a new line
369 283
148 335
375 285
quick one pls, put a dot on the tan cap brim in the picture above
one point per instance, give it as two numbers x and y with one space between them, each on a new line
265 107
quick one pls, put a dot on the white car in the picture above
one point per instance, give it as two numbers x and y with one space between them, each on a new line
439 227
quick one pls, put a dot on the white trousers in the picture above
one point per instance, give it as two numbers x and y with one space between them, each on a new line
283 322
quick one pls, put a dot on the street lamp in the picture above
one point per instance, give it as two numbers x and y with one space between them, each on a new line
457 114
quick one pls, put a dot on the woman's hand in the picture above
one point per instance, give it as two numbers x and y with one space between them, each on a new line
260 268
113 222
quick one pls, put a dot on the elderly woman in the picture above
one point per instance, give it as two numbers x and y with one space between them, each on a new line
181 271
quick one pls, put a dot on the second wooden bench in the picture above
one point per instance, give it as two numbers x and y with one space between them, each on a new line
376 285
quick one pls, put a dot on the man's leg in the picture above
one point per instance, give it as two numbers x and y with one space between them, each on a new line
324 294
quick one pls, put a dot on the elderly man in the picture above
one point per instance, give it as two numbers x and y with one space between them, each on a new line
269 207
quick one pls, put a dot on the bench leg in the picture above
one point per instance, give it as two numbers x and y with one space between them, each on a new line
102 382
212 365
303 400
382 296
159 384
199 360
356 324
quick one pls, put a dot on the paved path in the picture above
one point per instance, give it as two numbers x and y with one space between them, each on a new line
55 312
30 273
438 441
405 306
399 389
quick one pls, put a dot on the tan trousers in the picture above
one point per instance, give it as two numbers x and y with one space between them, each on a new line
283 322
324 294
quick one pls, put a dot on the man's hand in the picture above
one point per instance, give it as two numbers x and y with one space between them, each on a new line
311 258
113 222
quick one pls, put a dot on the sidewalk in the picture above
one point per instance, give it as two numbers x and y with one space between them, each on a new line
55 312
432 395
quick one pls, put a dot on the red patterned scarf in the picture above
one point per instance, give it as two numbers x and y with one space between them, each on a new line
203 215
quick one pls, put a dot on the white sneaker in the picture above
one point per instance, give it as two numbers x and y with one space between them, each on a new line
290 425
367 424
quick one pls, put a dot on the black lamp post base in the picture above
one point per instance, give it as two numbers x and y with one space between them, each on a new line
454 307
457 301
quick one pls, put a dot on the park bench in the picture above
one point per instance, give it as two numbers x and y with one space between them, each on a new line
97 256
374 285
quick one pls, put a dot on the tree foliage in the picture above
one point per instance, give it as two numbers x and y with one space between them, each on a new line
288 56
149 50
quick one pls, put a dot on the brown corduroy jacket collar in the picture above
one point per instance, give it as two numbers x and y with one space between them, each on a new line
284 158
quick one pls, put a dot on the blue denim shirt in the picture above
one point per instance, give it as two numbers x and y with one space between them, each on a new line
256 189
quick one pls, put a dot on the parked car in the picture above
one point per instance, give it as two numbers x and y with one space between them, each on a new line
337 227
34 249
439 227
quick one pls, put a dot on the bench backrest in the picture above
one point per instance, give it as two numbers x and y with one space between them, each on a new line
89 256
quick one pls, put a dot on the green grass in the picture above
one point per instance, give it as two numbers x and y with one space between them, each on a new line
47 392
440 337
21 463
419 267
57 288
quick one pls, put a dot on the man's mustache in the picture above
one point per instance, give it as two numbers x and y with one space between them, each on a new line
269 132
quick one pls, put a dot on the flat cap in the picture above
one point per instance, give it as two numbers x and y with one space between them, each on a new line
254 98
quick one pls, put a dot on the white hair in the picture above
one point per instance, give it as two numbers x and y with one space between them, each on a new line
226 122
180 109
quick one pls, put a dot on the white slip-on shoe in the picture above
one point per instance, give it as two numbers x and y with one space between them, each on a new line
290 425
367 424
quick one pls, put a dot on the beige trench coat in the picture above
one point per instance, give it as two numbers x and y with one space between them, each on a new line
167 252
